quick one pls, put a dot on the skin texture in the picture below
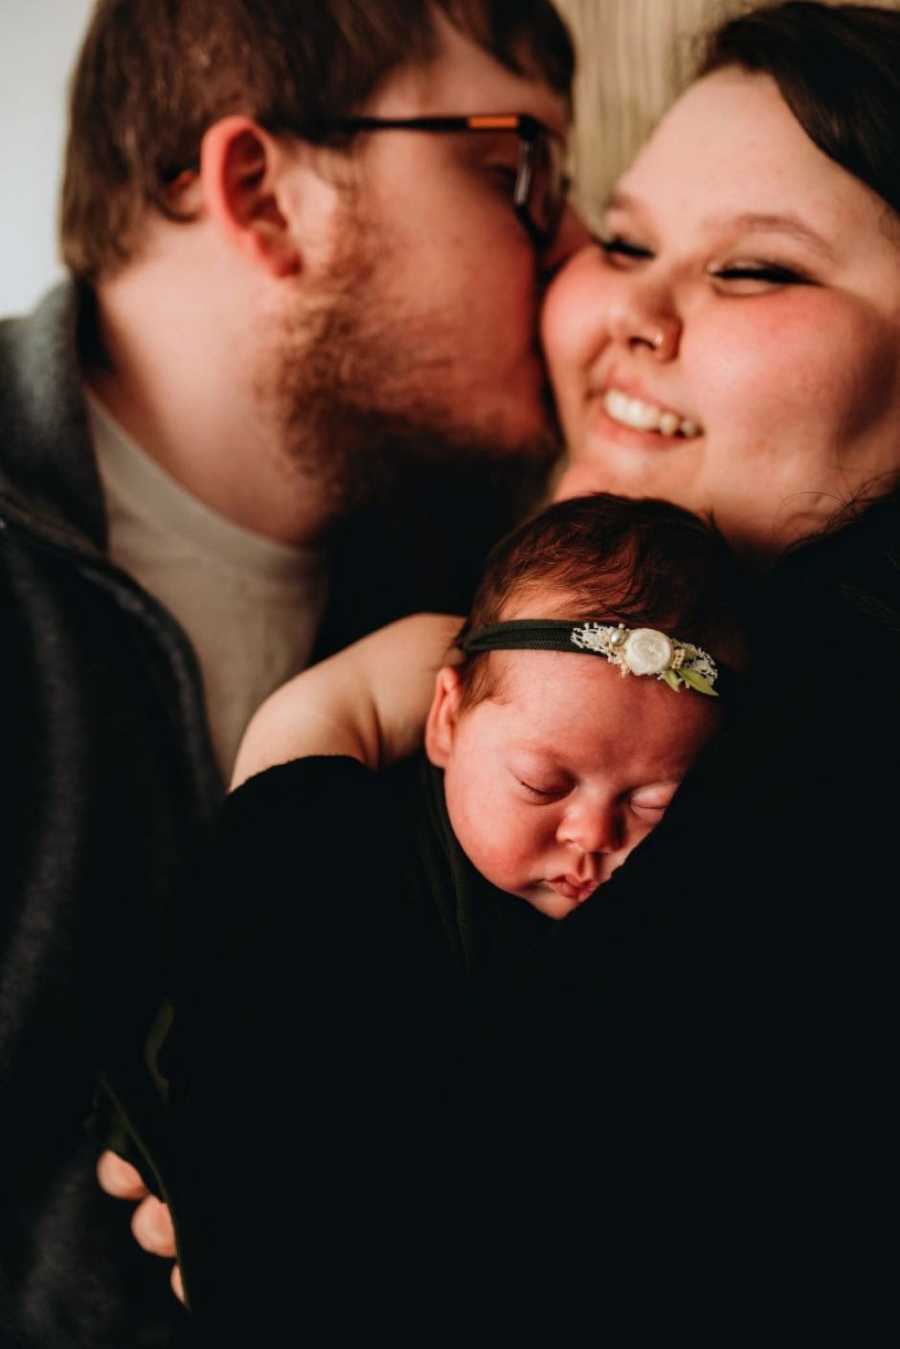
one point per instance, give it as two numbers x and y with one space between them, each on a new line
783 347
369 701
553 779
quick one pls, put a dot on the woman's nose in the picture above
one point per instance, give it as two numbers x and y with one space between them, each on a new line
641 320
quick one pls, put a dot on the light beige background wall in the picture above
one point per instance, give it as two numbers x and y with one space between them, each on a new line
38 41
633 57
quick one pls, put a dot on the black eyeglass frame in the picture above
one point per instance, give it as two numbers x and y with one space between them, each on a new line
530 132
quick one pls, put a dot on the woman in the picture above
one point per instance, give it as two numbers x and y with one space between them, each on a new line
745 288
733 345
721 1010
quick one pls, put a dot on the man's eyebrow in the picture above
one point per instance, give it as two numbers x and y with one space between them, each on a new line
745 222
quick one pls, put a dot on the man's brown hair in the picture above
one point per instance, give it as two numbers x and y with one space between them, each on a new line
154 75
644 563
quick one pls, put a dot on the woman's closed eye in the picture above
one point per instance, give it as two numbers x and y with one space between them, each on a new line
750 277
741 277
621 250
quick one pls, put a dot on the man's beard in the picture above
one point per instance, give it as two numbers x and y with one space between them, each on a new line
407 484
360 396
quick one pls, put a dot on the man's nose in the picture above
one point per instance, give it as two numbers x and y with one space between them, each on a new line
572 234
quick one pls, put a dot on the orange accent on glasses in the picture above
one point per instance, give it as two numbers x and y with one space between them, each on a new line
501 123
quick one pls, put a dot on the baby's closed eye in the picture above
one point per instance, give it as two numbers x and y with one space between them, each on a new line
651 803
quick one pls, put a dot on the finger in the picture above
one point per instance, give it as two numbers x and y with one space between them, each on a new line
152 1227
177 1284
119 1178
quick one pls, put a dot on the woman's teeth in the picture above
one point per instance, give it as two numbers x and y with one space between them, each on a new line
646 417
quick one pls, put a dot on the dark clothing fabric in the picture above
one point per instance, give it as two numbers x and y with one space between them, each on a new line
109 773
340 976
694 1064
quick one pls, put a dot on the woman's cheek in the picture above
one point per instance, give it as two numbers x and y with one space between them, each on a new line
746 376
572 326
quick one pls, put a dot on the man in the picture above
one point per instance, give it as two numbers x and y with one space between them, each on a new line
296 356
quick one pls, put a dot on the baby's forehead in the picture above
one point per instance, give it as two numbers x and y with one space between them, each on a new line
576 704
530 681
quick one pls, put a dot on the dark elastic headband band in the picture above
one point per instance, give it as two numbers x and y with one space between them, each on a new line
638 651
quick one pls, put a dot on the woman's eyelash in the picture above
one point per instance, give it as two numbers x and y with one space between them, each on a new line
784 276
615 244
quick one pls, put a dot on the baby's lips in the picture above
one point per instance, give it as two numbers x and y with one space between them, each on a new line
569 887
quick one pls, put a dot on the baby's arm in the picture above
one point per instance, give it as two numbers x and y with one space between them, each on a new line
368 702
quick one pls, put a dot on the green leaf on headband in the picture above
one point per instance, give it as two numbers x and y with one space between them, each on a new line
674 679
698 682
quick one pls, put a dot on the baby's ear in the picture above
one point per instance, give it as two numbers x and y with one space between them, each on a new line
440 728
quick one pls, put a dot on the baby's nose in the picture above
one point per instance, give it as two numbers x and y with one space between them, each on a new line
593 831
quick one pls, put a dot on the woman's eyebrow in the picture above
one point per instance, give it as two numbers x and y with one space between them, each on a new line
746 222
792 225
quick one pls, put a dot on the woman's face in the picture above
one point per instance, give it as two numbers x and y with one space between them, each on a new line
734 344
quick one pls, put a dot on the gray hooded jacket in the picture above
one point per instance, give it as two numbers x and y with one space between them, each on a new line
109 775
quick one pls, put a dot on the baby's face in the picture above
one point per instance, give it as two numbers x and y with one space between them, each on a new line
552 781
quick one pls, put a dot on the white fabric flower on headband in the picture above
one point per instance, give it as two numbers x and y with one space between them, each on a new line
645 651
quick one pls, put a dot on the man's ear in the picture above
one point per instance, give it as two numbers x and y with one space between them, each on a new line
440 728
239 164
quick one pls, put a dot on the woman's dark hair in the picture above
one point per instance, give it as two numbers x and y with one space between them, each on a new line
154 75
838 70
647 564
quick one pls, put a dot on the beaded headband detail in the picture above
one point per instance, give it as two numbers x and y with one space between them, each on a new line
637 651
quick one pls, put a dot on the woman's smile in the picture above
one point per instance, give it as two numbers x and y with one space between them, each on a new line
622 409
645 416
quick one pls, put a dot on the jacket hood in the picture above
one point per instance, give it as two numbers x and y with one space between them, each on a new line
48 472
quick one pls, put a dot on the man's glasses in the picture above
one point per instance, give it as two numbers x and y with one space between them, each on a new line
541 183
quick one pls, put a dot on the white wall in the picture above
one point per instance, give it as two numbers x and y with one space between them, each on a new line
38 42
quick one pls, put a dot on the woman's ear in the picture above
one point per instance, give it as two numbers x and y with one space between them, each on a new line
239 171
440 727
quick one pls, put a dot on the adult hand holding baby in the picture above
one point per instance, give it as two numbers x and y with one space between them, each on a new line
152 1223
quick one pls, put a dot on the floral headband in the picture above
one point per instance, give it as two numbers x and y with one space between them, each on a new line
637 651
